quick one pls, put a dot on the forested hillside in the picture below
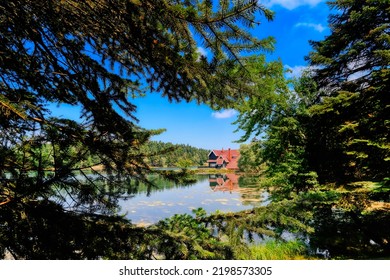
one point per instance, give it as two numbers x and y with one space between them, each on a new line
174 155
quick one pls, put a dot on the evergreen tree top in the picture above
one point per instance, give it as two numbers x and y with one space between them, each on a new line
358 46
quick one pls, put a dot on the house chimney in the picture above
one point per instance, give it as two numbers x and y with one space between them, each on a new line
229 158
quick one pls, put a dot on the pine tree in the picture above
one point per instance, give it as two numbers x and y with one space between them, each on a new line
350 123
326 143
98 55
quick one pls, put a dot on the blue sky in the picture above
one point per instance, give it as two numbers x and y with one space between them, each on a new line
296 22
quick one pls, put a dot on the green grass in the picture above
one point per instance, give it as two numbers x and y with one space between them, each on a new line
276 250
214 171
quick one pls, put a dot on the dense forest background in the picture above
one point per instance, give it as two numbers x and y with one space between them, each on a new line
156 153
174 155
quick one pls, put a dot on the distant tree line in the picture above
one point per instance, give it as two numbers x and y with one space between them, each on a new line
173 155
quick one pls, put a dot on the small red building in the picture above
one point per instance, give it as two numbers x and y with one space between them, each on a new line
224 159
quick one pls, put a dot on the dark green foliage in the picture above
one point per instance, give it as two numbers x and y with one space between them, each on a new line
98 55
351 122
277 114
250 160
201 244
327 141
269 99
351 234
42 230
322 139
357 50
335 123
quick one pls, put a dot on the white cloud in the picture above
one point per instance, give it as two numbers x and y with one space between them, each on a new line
202 51
224 114
357 64
295 71
316 26
290 4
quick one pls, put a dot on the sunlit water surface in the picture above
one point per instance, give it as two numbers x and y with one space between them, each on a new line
225 193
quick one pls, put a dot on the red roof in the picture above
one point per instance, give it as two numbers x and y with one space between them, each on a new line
229 156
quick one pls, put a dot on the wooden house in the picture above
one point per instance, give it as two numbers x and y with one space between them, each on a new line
224 159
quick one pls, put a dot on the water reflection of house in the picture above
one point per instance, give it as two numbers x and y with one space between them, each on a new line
224 159
224 182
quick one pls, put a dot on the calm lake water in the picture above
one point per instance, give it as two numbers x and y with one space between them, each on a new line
341 234
225 193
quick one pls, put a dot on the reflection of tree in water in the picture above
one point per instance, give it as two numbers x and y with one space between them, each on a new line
157 183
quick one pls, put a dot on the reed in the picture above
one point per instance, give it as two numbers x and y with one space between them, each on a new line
275 250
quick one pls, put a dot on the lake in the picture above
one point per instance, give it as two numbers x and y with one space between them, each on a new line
214 192
342 233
